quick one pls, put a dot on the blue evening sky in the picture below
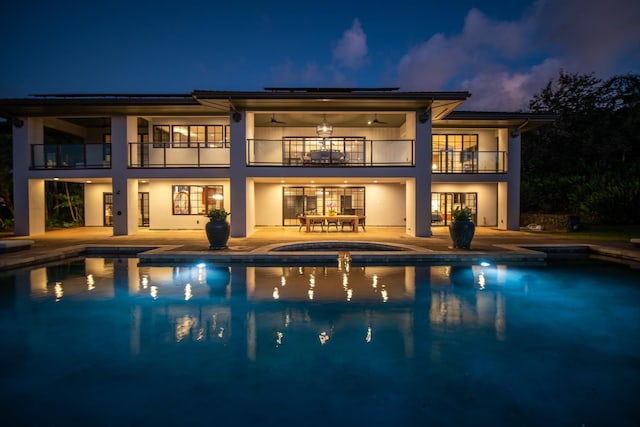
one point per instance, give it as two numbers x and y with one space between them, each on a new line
502 51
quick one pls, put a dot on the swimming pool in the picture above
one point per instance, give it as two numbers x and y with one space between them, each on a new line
106 341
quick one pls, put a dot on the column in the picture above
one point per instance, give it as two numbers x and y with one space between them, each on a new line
422 196
28 200
124 129
513 181
239 122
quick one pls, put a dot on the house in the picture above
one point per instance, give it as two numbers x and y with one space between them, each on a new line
405 159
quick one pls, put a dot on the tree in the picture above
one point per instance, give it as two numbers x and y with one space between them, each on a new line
6 172
587 161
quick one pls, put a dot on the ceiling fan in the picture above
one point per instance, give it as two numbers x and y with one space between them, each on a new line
274 121
375 121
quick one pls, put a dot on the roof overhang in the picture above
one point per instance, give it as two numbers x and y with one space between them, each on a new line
487 119
201 102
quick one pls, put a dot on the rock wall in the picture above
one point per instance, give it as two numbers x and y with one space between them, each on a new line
549 222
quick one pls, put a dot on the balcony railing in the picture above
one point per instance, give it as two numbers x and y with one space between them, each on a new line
338 152
469 161
70 156
164 155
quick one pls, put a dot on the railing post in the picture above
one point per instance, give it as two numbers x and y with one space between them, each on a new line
164 154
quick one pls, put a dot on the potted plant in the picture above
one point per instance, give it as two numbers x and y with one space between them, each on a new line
218 228
332 211
462 229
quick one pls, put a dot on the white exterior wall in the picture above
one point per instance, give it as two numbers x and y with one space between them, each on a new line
384 204
93 204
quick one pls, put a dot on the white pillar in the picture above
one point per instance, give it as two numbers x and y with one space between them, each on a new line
422 193
513 181
28 195
124 129
240 123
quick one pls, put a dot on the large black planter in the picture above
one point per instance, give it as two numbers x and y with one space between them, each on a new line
218 233
461 232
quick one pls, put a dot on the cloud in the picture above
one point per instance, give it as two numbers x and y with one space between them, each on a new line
286 74
504 63
351 50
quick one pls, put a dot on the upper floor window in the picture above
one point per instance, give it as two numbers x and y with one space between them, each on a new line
185 136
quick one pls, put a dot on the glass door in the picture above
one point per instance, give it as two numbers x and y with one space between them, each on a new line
107 209
443 205
143 209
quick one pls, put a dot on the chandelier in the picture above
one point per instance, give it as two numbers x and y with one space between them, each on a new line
324 129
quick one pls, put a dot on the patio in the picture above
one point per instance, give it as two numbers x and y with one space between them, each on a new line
488 242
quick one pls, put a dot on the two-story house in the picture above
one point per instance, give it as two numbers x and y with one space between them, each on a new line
405 159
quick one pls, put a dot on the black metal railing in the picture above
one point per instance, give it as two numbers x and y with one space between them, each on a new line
70 156
165 155
338 152
469 161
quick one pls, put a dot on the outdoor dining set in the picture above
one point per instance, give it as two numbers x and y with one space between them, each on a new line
341 222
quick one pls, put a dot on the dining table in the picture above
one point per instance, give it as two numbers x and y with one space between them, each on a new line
339 217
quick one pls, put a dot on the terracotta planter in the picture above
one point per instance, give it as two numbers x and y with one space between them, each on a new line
218 233
461 232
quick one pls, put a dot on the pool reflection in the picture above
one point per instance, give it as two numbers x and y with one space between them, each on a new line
274 307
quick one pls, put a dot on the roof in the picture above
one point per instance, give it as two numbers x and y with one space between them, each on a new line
484 119
222 102
273 99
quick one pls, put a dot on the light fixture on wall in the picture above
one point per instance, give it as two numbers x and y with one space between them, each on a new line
424 117
324 129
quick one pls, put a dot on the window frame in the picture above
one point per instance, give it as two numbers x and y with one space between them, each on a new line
196 199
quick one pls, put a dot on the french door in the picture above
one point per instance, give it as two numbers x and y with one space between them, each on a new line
443 205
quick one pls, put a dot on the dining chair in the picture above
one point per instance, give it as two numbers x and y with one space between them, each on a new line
361 221
348 222
303 221
332 221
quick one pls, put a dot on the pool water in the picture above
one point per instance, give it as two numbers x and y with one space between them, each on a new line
111 342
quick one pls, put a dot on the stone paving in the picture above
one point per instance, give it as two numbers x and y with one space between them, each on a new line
176 245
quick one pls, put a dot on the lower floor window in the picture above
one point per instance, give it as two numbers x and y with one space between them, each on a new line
443 205
321 200
196 199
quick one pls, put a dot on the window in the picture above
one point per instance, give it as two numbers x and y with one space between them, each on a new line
319 200
186 136
161 136
443 205
196 199
454 153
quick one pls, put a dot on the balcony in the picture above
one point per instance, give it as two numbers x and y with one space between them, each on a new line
469 161
70 156
164 155
332 152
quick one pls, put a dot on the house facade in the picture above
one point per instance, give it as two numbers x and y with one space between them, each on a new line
404 159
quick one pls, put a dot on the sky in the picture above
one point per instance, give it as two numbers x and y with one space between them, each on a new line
503 52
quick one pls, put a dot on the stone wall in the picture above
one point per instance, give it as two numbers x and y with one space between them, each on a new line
549 222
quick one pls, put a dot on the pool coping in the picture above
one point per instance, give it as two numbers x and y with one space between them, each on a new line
166 254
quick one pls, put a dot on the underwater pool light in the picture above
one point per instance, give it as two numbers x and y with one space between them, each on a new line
485 264
201 265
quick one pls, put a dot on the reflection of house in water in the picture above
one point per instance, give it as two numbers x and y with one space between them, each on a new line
258 311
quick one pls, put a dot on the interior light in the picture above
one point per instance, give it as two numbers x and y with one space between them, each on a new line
324 129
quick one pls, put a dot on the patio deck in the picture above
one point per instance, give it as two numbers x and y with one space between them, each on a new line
176 245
